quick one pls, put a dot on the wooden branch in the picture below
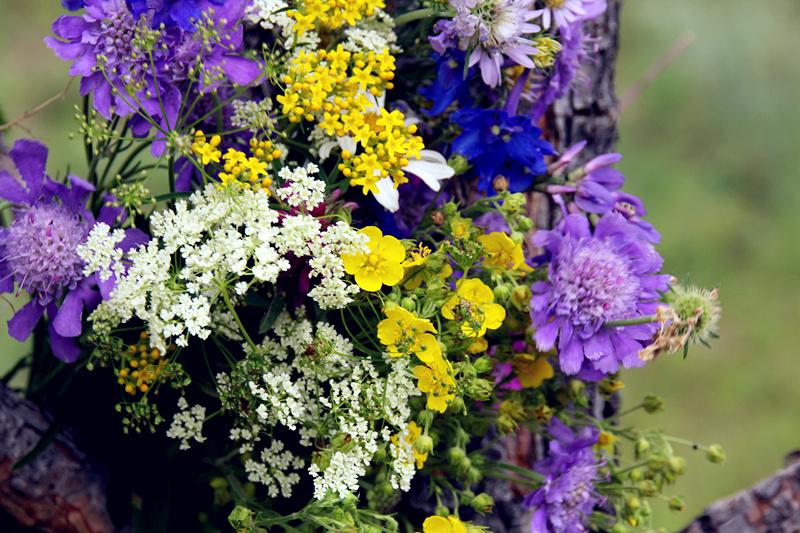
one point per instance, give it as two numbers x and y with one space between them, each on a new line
58 490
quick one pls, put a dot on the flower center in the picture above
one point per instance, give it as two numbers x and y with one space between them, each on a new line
554 4
593 284
41 250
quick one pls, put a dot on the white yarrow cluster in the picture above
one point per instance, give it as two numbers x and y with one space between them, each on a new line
251 115
187 424
301 187
222 239
99 252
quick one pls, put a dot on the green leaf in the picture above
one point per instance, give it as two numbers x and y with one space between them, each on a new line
276 306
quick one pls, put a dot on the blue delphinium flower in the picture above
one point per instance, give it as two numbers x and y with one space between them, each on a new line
596 277
72 5
568 494
498 144
450 85
181 13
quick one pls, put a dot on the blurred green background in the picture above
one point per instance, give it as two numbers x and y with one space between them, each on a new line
712 147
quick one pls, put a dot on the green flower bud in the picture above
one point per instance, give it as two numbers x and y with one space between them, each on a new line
657 462
423 444
715 454
456 406
240 518
502 292
648 488
652 404
480 389
474 475
506 424
525 224
467 496
450 209
676 504
483 503
698 308
636 475
455 455
633 503
441 510
577 387
425 418
642 445
677 465
514 202
409 303
458 163
483 364
619 527
517 236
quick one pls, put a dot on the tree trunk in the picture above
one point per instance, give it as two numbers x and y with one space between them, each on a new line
58 489
773 506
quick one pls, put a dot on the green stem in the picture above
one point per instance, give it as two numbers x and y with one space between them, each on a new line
226 297
647 319
411 16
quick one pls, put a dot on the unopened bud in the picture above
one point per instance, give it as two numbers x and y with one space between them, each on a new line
480 389
677 465
458 163
409 303
715 454
642 445
455 455
525 224
483 503
437 217
483 364
633 503
474 475
456 405
502 292
500 183
652 404
648 488
676 504
423 444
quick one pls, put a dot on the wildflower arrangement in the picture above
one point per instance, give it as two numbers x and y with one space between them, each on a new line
271 260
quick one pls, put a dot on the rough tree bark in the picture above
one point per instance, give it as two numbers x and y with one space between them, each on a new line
587 112
57 491
772 505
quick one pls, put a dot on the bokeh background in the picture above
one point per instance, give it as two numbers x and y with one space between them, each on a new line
713 146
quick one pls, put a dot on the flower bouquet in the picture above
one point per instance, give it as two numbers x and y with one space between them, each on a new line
303 282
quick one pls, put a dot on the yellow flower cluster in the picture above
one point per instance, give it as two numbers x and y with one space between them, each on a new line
143 366
473 305
331 14
207 151
239 169
435 379
339 90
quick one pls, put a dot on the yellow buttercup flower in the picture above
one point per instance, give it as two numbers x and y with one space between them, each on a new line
437 382
404 333
382 265
478 345
417 257
412 432
502 252
531 370
441 524
473 305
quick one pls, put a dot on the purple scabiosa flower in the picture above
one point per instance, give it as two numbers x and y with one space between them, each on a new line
492 30
569 12
595 277
571 470
38 251
496 143
126 66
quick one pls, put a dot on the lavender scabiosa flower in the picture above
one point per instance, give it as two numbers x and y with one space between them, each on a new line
38 251
493 30
596 277
127 66
571 470
597 189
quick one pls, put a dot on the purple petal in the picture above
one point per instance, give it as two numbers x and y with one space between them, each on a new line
240 70
69 317
546 335
23 322
30 157
598 346
603 160
133 238
65 348
12 190
571 357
